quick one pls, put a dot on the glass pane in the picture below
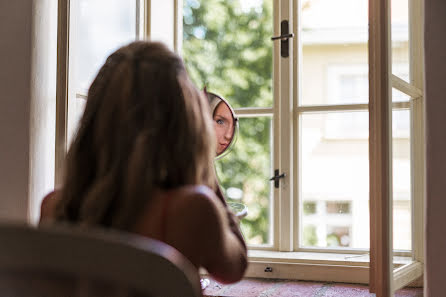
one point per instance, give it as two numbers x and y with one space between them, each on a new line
227 47
398 96
402 216
98 28
400 38
334 52
335 180
76 108
244 176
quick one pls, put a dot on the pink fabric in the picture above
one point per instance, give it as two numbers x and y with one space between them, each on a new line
435 87
251 287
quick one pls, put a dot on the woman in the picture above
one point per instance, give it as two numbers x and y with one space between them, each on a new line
224 121
142 161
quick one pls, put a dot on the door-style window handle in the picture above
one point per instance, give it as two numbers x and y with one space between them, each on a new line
283 37
276 178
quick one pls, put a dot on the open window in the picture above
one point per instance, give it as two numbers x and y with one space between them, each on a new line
303 103
317 100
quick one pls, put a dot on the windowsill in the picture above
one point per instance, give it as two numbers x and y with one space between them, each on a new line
318 258
322 267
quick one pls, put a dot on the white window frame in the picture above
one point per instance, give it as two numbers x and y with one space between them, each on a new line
283 256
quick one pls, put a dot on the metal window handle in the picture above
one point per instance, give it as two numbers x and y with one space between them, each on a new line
283 37
276 178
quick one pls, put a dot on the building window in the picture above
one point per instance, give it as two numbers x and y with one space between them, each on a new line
331 127
306 115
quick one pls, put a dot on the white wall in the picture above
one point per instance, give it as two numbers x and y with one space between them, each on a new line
15 92
27 103
435 63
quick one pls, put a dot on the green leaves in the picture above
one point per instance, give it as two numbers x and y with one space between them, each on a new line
227 47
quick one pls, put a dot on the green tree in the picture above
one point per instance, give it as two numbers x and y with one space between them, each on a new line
227 47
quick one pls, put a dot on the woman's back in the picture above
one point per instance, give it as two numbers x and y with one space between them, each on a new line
193 220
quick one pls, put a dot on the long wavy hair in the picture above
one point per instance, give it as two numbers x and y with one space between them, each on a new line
145 127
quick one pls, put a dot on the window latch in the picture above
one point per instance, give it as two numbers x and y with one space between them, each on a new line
285 35
276 178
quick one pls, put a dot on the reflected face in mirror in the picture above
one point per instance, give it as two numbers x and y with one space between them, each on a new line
224 126
224 120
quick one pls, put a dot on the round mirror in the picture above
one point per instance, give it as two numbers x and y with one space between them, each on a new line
225 123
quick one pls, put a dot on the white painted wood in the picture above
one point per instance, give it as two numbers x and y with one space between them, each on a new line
63 28
345 107
178 26
43 104
286 135
253 112
380 149
416 37
405 87
297 147
147 24
310 272
81 96
321 258
275 203
403 253
406 274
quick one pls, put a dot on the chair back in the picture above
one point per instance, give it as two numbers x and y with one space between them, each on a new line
56 261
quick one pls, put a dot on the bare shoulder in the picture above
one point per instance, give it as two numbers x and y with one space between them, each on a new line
198 207
48 204
200 200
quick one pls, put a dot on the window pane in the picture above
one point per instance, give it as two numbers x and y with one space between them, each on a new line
400 38
244 176
402 236
98 28
335 178
334 51
398 96
227 47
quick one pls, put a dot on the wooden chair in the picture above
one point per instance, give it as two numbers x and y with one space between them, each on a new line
61 261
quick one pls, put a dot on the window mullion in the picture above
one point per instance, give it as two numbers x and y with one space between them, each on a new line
297 70
286 133
276 139
63 27
380 149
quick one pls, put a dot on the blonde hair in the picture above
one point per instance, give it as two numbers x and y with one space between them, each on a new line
145 127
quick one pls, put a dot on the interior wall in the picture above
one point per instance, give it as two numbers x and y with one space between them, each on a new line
435 63
15 91
28 32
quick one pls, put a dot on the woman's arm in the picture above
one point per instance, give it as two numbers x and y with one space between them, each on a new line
224 253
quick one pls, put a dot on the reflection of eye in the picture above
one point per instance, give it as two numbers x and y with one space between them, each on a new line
220 122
